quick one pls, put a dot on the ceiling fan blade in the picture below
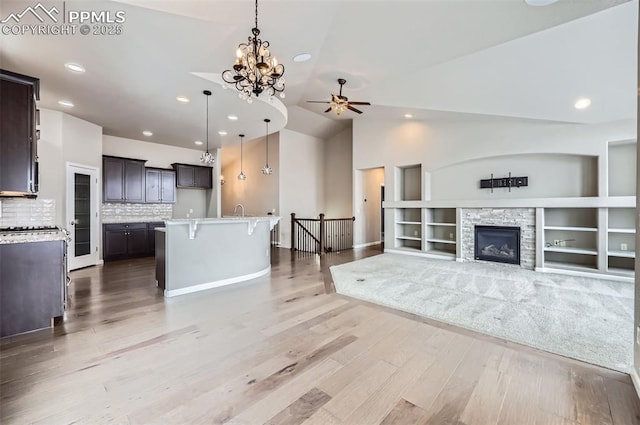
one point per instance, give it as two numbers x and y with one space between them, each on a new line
351 108
359 103
317 101
328 110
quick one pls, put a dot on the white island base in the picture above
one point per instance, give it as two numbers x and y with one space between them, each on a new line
198 254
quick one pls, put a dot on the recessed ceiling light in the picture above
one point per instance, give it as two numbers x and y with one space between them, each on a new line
582 103
182 99
302 57
233 117
222 133
540 2
198 142
408 116
65 103
147 133
74 67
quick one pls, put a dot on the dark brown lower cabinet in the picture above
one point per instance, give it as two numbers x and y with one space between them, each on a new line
129 240
151 235
125 241
32 279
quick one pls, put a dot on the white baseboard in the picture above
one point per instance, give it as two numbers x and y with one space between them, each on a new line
209 285
363 245
100 263
594 274
635 379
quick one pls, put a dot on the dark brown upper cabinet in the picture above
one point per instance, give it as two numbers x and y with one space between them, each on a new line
123 179
160 186
193 176
18 143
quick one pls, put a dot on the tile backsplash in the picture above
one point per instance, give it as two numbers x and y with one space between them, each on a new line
131 213
27 212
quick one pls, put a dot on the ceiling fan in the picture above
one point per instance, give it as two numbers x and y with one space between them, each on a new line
340 103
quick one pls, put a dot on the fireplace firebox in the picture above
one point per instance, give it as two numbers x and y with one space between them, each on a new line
497 243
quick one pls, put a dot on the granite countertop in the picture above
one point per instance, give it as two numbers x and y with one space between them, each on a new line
22 237
134 220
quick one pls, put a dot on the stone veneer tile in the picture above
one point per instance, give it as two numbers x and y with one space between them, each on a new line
525 218
27 212
123 213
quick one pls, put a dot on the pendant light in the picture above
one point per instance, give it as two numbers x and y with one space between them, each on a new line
206 157
266 169
241 176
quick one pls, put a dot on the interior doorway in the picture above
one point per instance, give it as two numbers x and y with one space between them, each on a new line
368 194
82 216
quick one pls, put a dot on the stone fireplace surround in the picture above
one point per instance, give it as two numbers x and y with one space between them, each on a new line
525 218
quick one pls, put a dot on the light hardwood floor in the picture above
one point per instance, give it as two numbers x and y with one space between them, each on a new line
283 349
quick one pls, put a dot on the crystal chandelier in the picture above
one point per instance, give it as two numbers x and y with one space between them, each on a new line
266 169
206 157
255 71
241 176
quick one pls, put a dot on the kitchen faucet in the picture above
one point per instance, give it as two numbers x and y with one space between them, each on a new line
236 208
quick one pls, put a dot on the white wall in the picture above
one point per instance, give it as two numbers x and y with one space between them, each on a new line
550 176
64 138
439 144
301 184
162 156
622 166
51 162
259 193
338 176
367 204
636 343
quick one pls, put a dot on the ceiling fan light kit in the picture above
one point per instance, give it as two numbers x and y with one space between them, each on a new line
255 70
340 103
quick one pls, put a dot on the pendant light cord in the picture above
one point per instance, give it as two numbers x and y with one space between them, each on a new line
207 123
267 144
256 13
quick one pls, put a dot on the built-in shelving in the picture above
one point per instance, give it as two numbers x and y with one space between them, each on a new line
570 238
408 229
621 241
440 232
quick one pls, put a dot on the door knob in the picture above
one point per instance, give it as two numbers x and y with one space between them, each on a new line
72 222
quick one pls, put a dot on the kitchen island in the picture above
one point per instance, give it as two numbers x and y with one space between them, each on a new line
197 254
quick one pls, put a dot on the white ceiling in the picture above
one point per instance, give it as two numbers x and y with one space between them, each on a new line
484 57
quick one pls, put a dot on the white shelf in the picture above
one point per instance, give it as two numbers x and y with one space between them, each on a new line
409 238
615 230
404 249
621 272
570 250
441 241
572 229
570 266
622 254
440 253
442 224
408 222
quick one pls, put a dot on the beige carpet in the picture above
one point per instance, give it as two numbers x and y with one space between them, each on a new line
583 318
